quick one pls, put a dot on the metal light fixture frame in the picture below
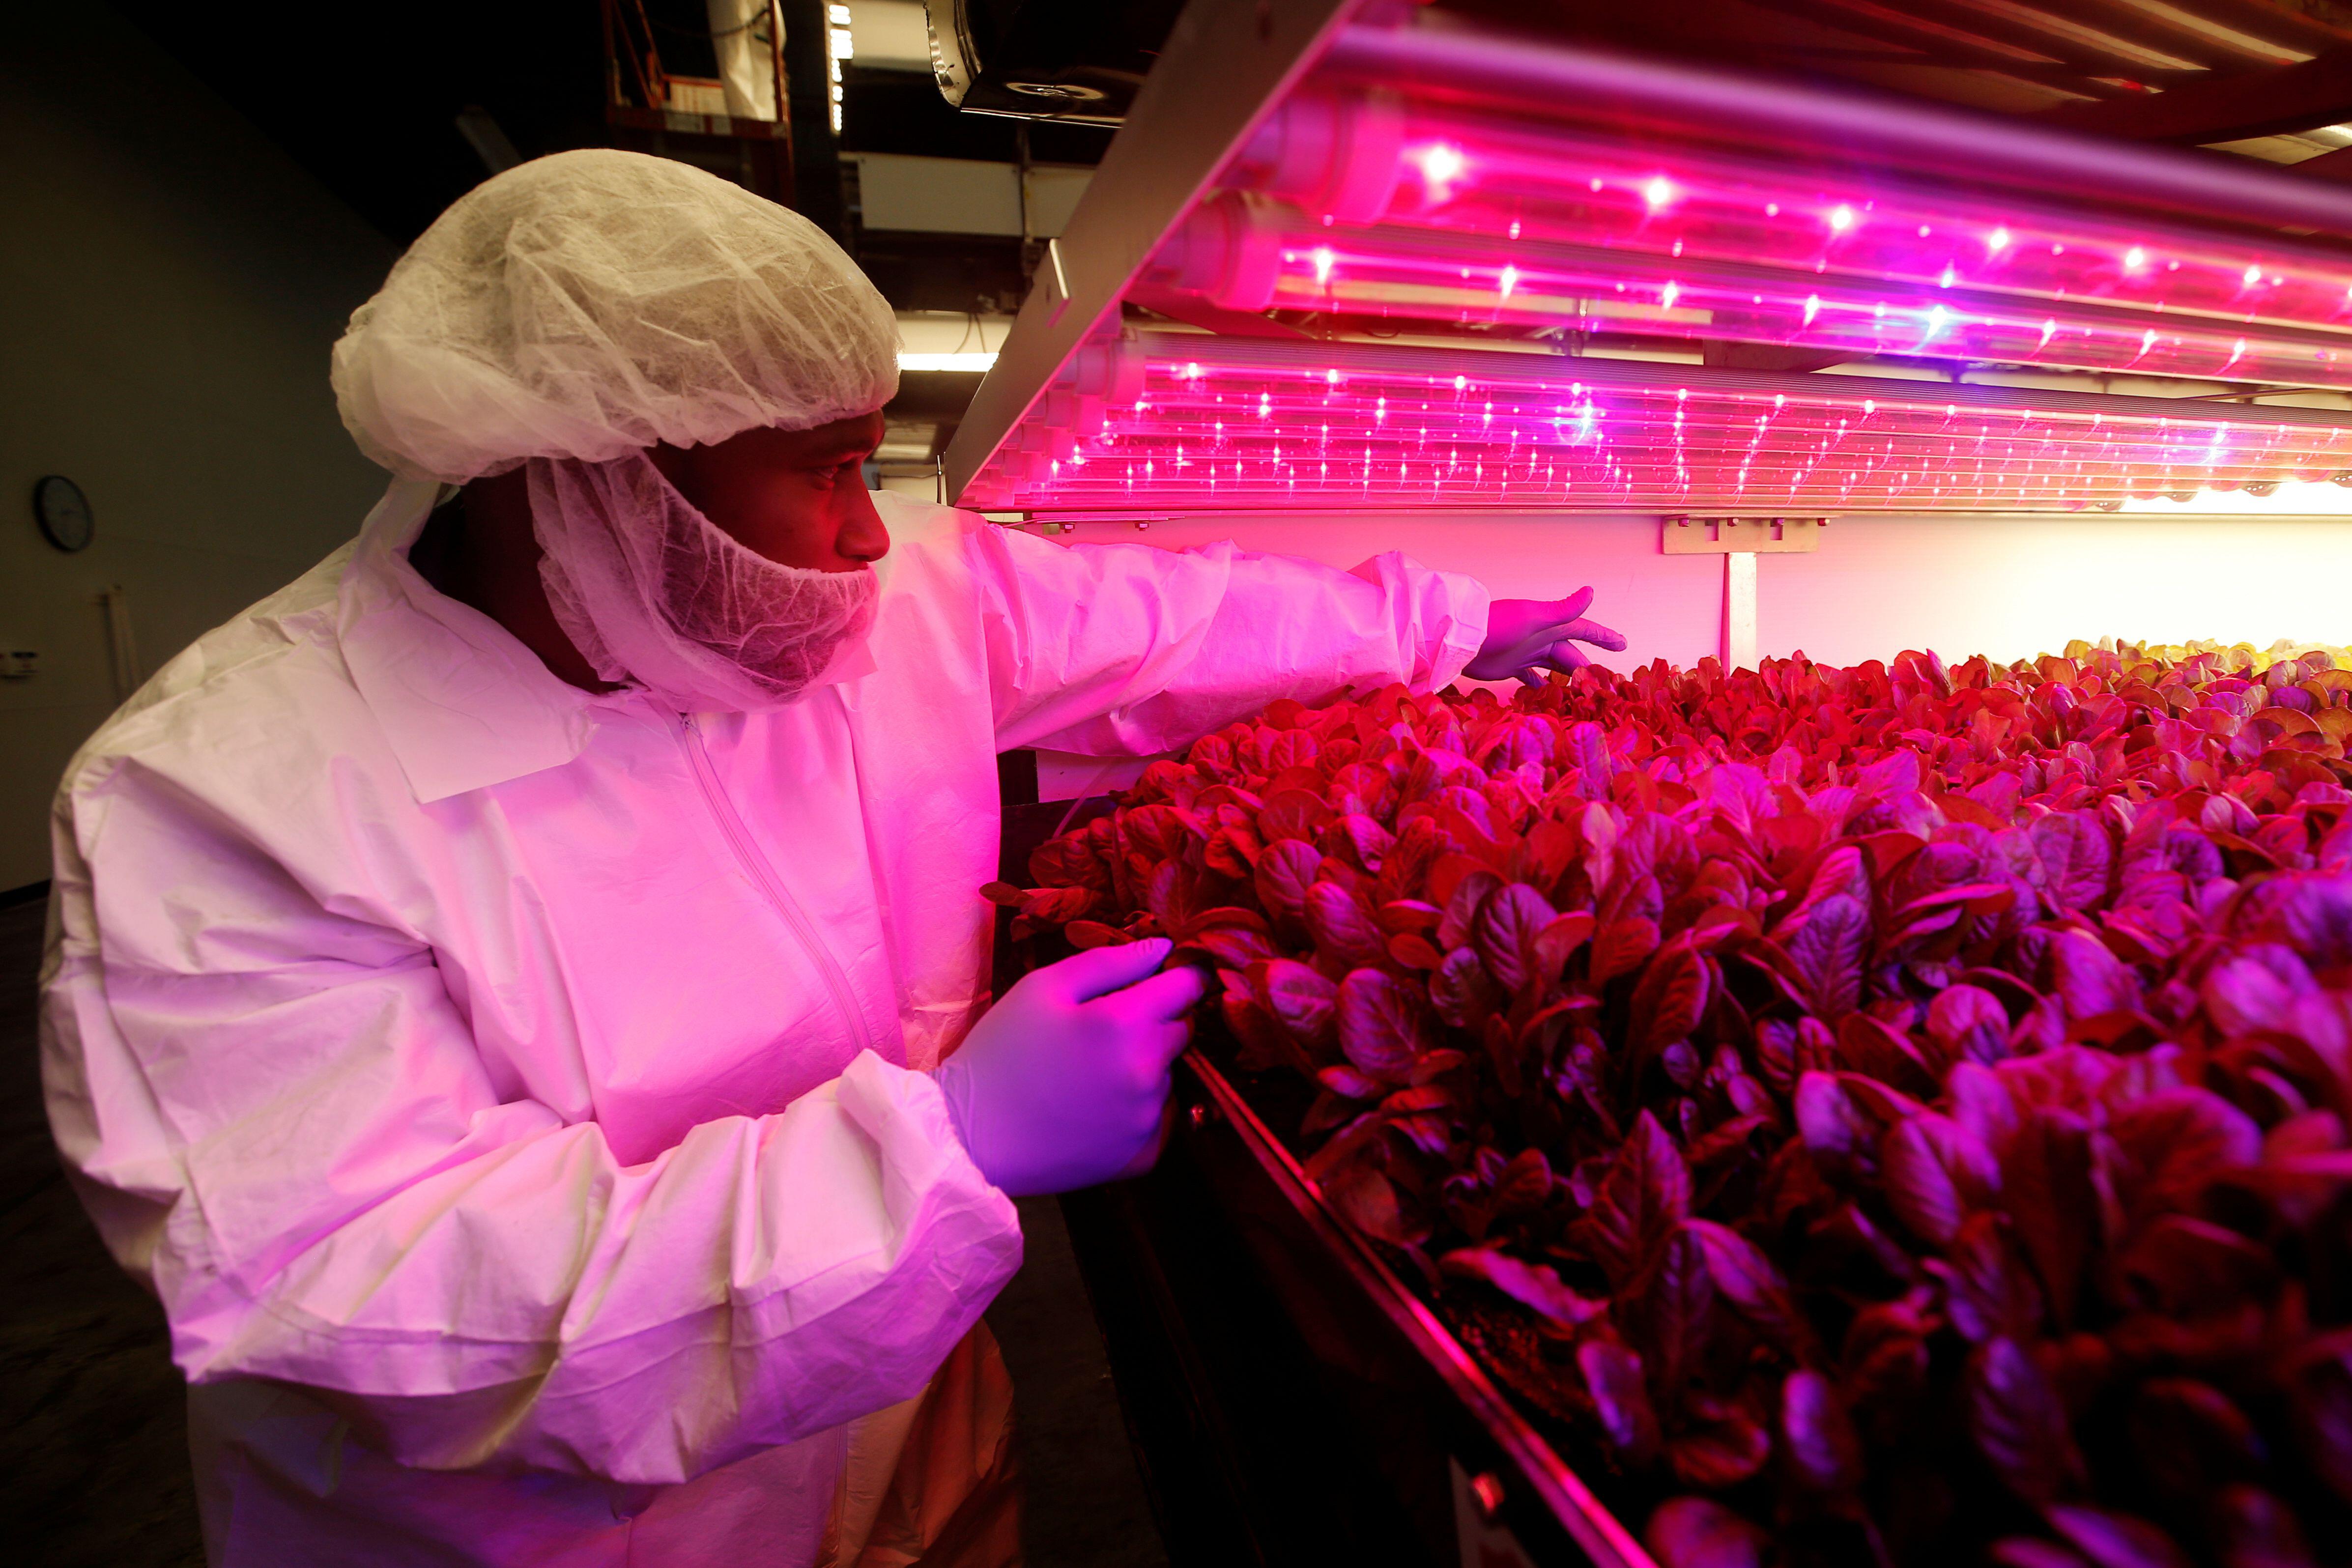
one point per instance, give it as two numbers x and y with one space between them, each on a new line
1231 65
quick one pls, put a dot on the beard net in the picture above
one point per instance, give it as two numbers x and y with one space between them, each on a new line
651 591
597 302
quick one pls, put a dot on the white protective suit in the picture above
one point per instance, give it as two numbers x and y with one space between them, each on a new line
515 1095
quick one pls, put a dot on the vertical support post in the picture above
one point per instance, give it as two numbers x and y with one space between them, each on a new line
1739 611
808 87
123 648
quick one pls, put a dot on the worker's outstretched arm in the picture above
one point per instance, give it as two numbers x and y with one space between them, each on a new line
277 1112
1112 649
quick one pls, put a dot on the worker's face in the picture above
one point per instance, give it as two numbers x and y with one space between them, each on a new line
794 495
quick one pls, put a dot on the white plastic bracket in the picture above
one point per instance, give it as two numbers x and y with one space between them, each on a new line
1756 536
1740 540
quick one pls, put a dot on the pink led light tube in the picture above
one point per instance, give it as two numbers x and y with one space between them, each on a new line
1373 158
1506 196
1225 424
1250 255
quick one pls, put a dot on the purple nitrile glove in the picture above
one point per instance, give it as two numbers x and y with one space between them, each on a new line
1064 1083
1528 636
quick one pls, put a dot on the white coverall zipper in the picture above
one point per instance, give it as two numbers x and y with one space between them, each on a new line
756 865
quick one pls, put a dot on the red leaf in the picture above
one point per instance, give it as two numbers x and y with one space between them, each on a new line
1817 1437
2178 1141
2048 1186
2189 1436
1460 992
1504 932
1301 1001
1349 1083
1343 927
1367 1200
1986 1291
2018 1425
1672 1309
2115 1540
1284 871
1524 1184
1366 840
1838 1130
1291 814
1620 946
1670 996
1873 1048
1621 1398
1379 1026
2088 979
2075 858
1969 1024
1746 1279
1084 934
1557 942
1936 1173
1693 1533
2254 1529
1825 943
1056 905
1402 915
2189 1267
1533 1286
1642 1200
1414 952
1469 894
1719 1453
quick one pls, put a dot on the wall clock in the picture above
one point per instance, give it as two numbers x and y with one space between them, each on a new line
63 512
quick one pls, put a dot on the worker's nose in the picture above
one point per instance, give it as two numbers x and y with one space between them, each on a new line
863 537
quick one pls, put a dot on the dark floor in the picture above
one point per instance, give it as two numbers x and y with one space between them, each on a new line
93 1469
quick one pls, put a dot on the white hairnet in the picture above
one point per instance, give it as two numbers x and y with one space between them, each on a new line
593 303
650 590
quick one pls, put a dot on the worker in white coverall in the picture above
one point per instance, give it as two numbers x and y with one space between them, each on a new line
498 985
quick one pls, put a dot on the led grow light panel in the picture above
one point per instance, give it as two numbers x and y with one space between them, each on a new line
1422 178
1197 422
1372 203
1243 253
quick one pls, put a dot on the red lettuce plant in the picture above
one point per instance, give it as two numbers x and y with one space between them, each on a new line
1895 1113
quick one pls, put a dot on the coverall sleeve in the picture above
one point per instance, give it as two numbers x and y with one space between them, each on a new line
276 1114
1125 649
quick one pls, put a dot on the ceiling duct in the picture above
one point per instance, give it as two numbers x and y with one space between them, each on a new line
1078 60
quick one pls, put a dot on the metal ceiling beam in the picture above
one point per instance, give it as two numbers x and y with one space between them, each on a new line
1769 114
2274 102
2123 53
1226 64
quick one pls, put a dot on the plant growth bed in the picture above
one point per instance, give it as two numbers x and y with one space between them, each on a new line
1890 1114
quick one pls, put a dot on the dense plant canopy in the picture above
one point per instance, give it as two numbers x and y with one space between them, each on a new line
1895 1113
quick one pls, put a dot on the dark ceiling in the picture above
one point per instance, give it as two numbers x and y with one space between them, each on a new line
367 98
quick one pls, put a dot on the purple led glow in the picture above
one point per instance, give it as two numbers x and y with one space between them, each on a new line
1231 425
1569 185
1406 276
1402 203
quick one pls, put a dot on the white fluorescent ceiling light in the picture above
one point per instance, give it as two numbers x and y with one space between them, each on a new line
958 362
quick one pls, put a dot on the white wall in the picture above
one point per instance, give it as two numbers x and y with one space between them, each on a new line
2007 586
169 289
